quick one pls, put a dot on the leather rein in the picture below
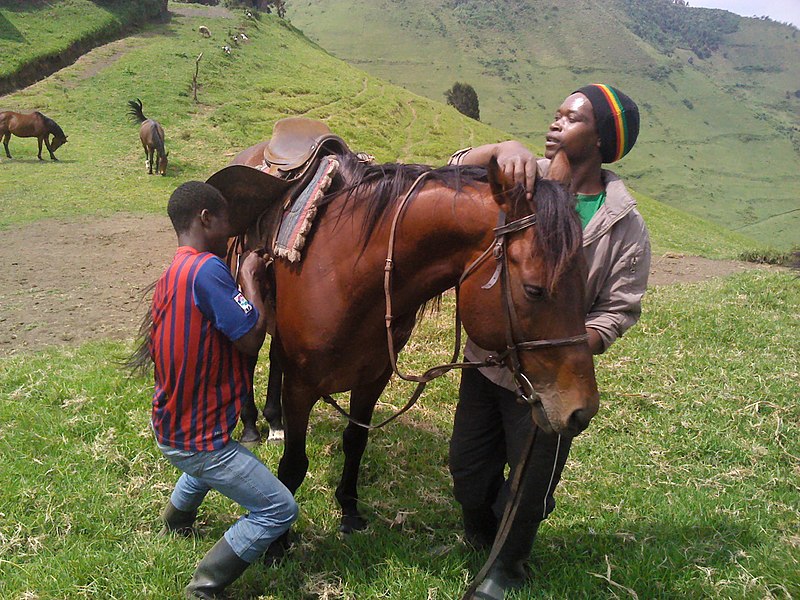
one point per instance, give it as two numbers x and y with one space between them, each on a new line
497 249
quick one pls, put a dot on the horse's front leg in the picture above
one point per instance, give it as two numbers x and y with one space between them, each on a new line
272 407
40 148
298 401
249 413
6 138
49 148
354 441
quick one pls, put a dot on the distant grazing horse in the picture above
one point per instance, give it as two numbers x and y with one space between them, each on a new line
152 136
387 239
204 31
33 124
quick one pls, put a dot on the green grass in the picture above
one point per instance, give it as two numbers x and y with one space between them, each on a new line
277 74
720 138
684 486
36 29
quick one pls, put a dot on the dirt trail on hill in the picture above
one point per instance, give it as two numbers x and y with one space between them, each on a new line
64 282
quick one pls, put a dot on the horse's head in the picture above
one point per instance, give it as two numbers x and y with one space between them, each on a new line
162 163
58 141
536 300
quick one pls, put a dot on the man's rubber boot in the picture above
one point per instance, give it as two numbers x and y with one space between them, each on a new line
220 567
179 522
510 571
480 526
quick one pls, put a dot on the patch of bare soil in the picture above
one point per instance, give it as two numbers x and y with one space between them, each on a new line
67 282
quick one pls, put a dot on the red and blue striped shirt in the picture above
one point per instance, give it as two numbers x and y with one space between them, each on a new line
201 378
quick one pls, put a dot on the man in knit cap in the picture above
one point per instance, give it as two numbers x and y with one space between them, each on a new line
594 125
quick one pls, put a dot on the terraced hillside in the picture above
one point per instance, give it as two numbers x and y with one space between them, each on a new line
720 134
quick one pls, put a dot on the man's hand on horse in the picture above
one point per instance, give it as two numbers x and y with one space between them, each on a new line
517 163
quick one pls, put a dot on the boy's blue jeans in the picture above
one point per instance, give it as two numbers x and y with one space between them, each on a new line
237 473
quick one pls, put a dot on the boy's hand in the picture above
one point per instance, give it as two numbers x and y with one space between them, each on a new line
253 268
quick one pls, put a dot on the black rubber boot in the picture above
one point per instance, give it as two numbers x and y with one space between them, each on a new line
510 571
179 522
220 567
480 526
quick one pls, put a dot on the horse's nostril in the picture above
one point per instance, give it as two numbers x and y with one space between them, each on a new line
579 420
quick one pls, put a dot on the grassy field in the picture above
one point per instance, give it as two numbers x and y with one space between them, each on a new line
684 486
277 73
35 29
720 138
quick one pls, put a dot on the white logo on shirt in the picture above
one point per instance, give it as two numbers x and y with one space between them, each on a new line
243 303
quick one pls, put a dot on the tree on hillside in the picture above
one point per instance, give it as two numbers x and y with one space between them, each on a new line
465 100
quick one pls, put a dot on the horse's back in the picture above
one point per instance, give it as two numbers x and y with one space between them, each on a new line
150 131
252 156
27 124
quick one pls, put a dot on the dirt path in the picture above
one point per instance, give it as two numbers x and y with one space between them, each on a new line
66 282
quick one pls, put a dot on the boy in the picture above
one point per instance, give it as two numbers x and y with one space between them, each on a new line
596 124
204 340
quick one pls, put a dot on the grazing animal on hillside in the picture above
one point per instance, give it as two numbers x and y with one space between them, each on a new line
151 135
33 124
204 31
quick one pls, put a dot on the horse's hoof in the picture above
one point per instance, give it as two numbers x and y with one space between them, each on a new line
279 549
250 436
351 523
275 435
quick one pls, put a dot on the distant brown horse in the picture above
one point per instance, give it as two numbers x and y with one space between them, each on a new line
33 124
151 135
516 263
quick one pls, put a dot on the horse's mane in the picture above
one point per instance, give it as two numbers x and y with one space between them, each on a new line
559 234
388 183
52 126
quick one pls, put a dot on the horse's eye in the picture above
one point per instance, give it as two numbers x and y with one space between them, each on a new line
534 292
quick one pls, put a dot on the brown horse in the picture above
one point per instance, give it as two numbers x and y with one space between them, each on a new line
151 134
33 124
520 293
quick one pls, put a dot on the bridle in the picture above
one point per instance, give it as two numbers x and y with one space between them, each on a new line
509 357
498 249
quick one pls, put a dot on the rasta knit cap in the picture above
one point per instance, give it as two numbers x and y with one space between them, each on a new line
617 118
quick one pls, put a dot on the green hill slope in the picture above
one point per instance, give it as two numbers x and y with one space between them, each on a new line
277 73
720 135
38 36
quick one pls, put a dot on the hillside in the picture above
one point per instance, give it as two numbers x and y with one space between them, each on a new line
38 37
720 135
276 74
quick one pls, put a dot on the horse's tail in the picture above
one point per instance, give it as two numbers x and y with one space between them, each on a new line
135 111
139 361
159 139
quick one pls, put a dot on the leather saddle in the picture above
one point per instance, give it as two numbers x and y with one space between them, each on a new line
296 145
258 195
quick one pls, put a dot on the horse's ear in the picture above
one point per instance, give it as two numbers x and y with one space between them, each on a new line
500 184
560 169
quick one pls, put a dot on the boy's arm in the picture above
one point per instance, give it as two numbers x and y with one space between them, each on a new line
252 279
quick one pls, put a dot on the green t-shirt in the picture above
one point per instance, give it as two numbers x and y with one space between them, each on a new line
587 205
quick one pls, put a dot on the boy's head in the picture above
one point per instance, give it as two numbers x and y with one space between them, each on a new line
616 117
189 200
